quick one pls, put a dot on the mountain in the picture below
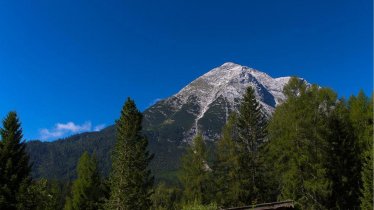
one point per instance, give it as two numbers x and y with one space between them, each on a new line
202 106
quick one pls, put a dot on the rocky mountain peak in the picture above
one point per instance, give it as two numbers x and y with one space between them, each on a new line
206 102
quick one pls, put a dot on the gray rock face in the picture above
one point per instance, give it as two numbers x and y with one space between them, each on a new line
204 105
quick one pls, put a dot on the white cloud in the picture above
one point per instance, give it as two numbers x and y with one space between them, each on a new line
46 134
99 127
65 129
72 127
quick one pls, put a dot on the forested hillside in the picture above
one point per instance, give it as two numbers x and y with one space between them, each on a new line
315 150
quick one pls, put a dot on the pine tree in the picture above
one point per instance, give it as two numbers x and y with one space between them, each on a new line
130 179
251 125
226 166
195 173
86 189
14 165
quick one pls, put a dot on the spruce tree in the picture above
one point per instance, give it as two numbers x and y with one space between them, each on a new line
86 189
251 125
14 165
195 173
226 166
130 179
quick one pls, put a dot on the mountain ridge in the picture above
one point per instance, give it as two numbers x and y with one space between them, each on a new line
223 85
202 106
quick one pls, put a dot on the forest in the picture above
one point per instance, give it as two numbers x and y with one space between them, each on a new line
316 149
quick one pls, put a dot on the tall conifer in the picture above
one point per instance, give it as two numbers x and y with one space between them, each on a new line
226 166
130 179
14 165
251 125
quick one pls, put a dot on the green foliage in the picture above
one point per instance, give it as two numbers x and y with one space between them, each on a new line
62 189
197 206
342 160
58 160
241 175
166 198
42 195
251 133
314 149
226 166
87 190
195 173
294 87
14 165
367 198
240 172
361 116
297 148
317 150
130 179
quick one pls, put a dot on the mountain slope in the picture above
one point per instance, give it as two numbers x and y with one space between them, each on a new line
202 106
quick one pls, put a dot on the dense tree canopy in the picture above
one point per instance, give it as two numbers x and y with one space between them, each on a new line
315 149
87 190
361 116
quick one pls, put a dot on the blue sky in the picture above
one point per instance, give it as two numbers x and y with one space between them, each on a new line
68 66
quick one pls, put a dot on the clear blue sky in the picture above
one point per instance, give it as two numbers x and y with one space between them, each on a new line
77 61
